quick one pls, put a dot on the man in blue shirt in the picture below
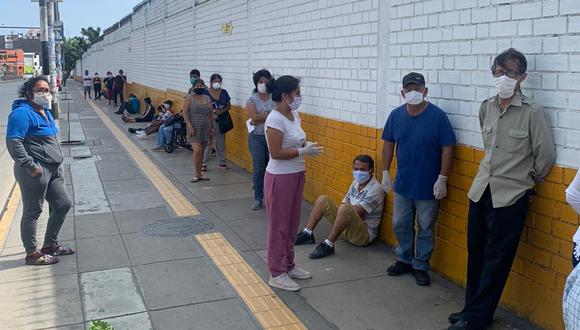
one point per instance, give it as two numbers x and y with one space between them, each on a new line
424 139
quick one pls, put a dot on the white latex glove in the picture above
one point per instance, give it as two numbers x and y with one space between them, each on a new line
440 187
386 182
310 149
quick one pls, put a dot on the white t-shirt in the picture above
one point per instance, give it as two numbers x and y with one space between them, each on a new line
87 81
293 137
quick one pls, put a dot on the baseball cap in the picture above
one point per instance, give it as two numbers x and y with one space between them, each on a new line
413 78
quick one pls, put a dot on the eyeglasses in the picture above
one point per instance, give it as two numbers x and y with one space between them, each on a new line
509 73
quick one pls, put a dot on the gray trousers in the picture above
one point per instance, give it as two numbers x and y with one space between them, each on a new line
220 147
49 186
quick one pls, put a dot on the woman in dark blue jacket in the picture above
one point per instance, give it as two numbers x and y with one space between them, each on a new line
32 141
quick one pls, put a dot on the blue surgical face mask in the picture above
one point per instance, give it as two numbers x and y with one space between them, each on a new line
361 176
192 80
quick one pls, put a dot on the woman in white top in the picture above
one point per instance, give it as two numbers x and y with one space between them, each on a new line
284 181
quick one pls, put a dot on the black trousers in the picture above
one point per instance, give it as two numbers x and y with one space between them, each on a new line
118 93
493 235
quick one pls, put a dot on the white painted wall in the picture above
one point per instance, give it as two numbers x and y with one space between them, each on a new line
351 54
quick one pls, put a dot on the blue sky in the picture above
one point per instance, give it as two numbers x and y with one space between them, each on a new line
75 14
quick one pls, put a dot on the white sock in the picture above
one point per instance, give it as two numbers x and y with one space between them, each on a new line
308 231
328 242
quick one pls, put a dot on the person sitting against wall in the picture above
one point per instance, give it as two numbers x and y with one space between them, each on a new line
165 130
132 105
164 112
146 117
358 217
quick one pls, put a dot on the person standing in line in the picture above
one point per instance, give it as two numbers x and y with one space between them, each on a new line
87 84
284 181
33 143
424 139
258 107
519 153
118 87
97 86
194 75
109 86
198 117
220 100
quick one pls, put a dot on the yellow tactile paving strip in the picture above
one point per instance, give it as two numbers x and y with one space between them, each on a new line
9 214
180 205
269 310
267 307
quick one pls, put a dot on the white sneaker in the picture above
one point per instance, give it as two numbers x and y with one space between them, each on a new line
299 273
284 282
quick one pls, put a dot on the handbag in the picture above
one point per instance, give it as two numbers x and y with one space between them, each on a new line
225 122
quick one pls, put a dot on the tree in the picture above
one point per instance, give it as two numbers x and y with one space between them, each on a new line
76 46
91 34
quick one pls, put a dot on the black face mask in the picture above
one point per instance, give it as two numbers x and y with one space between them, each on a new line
199 90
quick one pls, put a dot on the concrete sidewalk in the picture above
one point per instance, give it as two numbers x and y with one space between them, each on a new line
139 281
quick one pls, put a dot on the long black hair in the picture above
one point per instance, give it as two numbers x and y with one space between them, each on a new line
25 89
258 75
282 85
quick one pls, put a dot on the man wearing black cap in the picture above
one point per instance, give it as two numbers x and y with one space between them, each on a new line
424 139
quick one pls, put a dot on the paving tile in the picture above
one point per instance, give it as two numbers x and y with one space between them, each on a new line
127 187
102 252
216 178
144 249
197 281
13 267
226 314
134 220
136 201
95 225
48 301
384 305
138 321
349 263
109 293
220 193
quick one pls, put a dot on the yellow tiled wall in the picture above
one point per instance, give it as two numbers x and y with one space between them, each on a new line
536 282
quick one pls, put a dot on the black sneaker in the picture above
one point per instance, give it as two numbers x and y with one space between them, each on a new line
321 251
304 238
131 130
421 277
454 318
399 268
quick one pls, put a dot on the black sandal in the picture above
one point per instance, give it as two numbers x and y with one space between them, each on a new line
40 259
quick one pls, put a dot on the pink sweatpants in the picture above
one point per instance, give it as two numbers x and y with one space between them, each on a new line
283 197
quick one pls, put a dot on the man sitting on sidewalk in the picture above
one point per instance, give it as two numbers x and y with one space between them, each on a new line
132 106
358 217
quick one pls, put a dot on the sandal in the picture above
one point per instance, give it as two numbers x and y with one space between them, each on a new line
223 167
57 250
204 168
40 259
194 179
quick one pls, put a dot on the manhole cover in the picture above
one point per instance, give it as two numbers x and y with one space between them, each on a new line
178 227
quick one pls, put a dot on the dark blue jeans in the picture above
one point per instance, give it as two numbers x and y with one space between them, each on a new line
260 158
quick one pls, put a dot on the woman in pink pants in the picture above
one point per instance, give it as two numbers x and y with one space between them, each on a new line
284 181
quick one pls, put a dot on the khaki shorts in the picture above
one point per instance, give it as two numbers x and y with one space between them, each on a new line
356 231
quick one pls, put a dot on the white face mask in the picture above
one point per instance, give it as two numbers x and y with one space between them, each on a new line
296 102
216 85
361 176
262 88
43 99
414 97
505 86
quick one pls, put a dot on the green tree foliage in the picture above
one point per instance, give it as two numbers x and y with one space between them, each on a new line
76 46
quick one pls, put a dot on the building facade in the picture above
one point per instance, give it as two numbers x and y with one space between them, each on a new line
350 56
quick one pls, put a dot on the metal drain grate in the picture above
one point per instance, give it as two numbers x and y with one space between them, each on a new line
178 227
